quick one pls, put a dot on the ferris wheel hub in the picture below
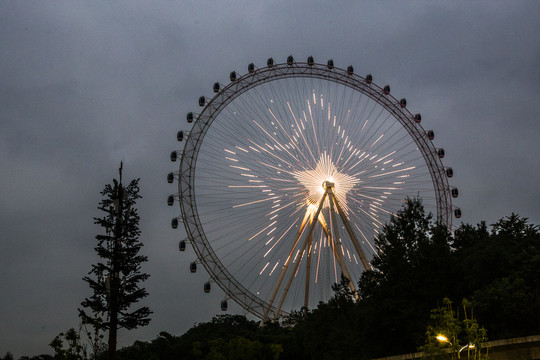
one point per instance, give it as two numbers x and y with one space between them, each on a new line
327 184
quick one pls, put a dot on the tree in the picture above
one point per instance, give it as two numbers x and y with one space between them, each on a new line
81 344
115 281
503 269
329 331
448 337
412 269
8 356
75 349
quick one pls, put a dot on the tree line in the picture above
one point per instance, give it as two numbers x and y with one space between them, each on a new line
420 267
419 263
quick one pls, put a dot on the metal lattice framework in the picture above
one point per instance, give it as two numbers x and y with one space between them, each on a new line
239 85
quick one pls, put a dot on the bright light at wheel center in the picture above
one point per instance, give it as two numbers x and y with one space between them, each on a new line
325 170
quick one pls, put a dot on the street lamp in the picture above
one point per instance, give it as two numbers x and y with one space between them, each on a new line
443 338
468 346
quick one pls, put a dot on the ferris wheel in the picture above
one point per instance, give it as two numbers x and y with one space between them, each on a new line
288 174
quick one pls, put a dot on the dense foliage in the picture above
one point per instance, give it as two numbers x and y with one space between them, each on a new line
419 263
225 337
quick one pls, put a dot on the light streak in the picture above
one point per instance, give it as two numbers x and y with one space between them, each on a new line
264 268
385 156
274 268
376 141
393 172
329 112
363 126
276 168
278 240
254 202
381 188
313 127
271 153
302 134
286 133
278 179
239 167
262 231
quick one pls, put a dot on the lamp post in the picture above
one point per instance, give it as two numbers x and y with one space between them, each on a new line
443 338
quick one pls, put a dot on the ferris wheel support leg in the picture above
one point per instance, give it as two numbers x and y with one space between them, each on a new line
286 265
308 270
352 235
324 226
291 276
336 242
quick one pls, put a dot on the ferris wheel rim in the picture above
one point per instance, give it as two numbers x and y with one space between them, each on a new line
255 77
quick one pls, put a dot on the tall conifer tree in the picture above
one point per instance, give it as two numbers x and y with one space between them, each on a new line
115 280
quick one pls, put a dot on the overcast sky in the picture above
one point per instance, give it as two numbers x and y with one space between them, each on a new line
85 85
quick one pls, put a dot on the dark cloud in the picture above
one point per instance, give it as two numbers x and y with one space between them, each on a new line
86 85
